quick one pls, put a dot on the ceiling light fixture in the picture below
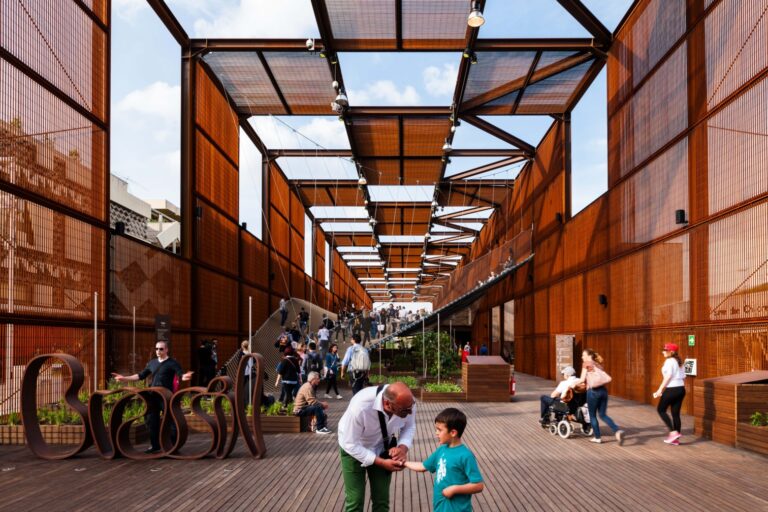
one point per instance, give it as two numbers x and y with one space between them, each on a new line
362 181
475 18
473 59
342 99
310 44
335 85
372 222
447 146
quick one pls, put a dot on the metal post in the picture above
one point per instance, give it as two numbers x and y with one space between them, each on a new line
11 268
250 347
133 343
95 341
438 348
423 348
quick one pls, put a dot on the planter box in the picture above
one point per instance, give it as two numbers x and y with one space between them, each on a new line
428 396
53 434
62 434
486 379
752 438
284 424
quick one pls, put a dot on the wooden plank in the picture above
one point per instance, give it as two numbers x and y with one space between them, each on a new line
517 458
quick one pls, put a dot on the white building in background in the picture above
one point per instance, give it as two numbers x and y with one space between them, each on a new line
156 221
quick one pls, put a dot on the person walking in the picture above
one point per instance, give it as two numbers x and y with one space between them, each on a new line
164 370
283 311
331 371
594 376
365 324
672 392
288 373
374 415
323 339
357 361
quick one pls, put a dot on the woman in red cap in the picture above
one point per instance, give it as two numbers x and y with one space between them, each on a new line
671 391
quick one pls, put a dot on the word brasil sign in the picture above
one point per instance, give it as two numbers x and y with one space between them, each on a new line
115 441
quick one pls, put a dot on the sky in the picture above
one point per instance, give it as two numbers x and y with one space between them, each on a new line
145 133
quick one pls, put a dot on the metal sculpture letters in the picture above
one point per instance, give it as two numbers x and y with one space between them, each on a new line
114 441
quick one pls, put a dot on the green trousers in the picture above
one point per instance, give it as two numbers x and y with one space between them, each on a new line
354 484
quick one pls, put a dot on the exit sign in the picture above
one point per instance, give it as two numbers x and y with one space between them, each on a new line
691 340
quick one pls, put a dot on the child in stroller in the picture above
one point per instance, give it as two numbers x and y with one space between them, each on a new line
565 407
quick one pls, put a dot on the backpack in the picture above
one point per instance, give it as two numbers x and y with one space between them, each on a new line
361 361
314 363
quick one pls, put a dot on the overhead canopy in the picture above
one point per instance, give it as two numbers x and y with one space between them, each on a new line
395 166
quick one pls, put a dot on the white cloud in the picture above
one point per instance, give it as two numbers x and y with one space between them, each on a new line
384 92
326 133
127 9
251 18
439 82
145 141
158 99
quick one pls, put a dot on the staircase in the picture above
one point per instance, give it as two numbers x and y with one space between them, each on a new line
264 338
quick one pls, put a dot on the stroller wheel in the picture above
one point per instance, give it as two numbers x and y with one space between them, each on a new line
564 429
586 429
553 429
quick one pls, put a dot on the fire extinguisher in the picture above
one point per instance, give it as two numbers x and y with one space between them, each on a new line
512 385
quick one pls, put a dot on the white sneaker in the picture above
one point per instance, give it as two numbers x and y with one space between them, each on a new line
327 395
620 437
339 397
323 430
596 440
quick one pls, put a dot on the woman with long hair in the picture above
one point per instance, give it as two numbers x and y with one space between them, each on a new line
671 391
597 395
332 370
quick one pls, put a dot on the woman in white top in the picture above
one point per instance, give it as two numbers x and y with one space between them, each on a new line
672 392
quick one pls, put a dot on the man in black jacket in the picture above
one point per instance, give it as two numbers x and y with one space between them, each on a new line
164 369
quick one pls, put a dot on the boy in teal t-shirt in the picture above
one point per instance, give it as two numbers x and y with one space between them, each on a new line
457 476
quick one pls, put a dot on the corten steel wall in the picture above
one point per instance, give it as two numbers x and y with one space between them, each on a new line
54 119
688 117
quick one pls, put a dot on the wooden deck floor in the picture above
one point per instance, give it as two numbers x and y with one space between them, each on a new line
524 467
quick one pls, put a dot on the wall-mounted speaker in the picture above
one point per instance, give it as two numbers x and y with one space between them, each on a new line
603 299
119 228
199 212
680 217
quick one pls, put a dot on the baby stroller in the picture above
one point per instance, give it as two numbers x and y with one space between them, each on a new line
567 414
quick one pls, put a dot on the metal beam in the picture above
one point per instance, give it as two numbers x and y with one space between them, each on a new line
499 133
527 81
398 111
485 168
171 23
463 229
470 211
346 153
588 20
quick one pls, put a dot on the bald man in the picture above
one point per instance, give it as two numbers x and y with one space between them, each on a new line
375 414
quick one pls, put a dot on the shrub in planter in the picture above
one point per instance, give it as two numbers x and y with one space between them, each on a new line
443 392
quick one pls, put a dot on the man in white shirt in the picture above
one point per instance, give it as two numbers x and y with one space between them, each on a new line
361 442
323 336
562 388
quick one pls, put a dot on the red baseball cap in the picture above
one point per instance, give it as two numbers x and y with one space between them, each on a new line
671 347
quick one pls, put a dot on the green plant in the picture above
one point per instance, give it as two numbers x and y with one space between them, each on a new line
377 379
402 363
449 360
444 387
11 419
409 381
277 409
759 419
375 367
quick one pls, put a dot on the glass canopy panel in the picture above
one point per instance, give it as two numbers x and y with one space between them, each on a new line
317 168
471 225
338 212
401 269
404 194
610 12
355 249
400 239
363 264
300 132
461 164
361 257
400 79
346 227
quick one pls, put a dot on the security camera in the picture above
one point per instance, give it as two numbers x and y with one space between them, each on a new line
310 44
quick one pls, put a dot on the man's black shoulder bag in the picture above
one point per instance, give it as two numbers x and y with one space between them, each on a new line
389 442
